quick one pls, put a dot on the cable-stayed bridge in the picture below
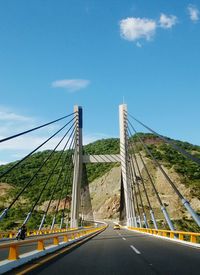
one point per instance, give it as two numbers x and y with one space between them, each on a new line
140 247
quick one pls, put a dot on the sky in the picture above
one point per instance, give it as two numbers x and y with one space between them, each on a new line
98 54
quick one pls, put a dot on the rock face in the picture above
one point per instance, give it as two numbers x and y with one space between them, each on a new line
53 205
5 188
101 200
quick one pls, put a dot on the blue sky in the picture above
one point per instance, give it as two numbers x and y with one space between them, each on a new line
55 54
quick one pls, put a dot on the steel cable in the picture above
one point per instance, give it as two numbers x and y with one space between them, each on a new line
36 128
58 179
52 171
140 174
33 177
17 164
170 142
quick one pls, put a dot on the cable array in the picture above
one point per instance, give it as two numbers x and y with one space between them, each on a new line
64 157
134 139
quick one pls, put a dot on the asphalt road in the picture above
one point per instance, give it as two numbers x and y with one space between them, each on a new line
116 252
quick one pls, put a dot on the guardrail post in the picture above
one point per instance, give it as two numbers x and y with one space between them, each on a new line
40 245
171 235
164 234
180 237
13 252
193 239
55 241
65 239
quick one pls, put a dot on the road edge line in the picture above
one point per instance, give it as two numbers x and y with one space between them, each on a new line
194 245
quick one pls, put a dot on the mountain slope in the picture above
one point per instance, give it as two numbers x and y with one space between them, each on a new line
185 173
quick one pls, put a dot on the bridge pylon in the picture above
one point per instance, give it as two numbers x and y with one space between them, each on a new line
128 192
78 164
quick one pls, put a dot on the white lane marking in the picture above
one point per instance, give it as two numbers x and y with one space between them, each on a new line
124 239
135 249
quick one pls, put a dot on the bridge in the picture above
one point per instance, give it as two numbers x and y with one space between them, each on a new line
65 242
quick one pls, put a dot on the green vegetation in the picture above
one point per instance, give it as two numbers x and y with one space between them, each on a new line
100 147
20 176
189 172
187 169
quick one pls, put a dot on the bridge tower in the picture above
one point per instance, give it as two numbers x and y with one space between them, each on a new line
79 159
78 163
128 193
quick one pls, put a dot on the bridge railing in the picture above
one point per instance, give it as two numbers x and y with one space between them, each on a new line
36 232
181 235
42 242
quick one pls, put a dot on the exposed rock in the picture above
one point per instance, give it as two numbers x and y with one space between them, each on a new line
5 188
53 205
104 194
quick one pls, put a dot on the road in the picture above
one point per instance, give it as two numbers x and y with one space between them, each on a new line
116 252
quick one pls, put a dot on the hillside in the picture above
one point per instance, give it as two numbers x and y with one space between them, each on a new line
21 175
101 177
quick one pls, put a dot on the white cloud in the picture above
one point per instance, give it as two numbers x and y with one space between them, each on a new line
3 162
167 21
12 123
16 149
193 13
71 84
20 146
133 29
24 143
8 115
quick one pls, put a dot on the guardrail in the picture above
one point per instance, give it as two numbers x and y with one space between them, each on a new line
13 247
181 235
12 234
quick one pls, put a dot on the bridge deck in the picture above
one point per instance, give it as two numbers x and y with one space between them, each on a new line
125 252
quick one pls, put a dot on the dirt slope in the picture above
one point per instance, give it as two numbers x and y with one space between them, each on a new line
103 195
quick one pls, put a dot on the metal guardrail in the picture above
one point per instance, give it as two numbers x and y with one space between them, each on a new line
181 235
40 241
12 234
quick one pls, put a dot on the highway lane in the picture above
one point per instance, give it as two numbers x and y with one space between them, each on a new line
125 252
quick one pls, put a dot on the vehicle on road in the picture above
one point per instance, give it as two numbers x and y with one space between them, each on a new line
21 234
116 227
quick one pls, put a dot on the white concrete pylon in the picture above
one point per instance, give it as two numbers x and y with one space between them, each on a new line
77 176
128 194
